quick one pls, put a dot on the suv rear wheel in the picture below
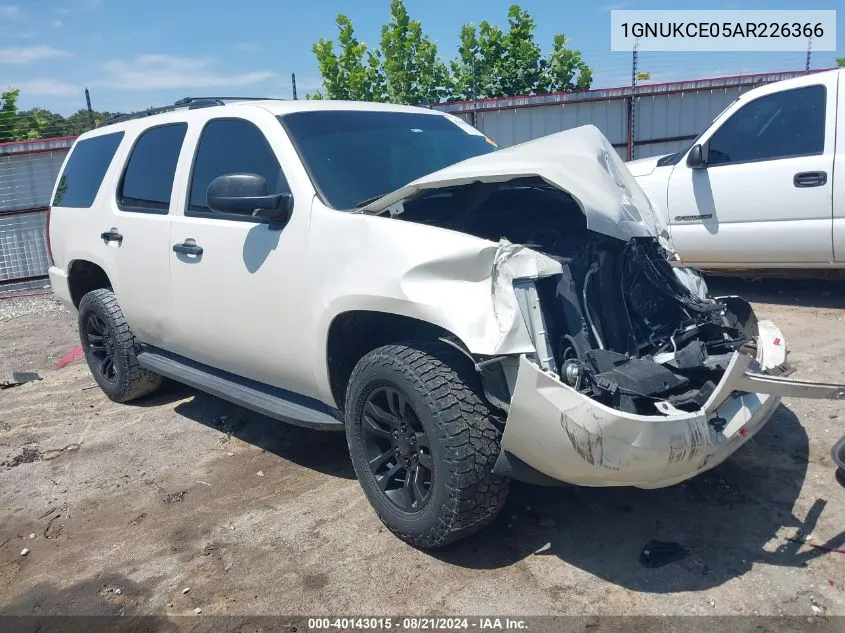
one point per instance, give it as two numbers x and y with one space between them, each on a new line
422 442
110 348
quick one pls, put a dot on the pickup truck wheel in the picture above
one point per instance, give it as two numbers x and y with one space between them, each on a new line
422 442
110 348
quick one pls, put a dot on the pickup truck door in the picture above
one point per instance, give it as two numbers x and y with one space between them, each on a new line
764 195
839 177
236 279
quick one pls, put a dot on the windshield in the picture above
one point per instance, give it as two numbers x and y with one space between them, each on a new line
354 156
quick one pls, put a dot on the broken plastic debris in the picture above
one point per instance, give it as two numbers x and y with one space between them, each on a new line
659 553
20 378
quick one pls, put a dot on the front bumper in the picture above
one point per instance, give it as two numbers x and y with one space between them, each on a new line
570 437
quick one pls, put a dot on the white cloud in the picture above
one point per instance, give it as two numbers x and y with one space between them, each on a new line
48 87
153 72
29 54
247 47
9 11
56 24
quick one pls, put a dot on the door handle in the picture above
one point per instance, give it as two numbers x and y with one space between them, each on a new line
112 236
810 179
188 247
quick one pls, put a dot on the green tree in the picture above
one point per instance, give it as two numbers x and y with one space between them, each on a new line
493 63
413 72
352 73
565 69
8 115
40 123
520 70
840 62
477 70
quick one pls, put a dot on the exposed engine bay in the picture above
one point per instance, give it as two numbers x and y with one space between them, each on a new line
624 326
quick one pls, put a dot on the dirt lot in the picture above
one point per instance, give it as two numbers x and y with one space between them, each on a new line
124 506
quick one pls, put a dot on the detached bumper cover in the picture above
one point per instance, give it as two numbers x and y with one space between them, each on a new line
571 438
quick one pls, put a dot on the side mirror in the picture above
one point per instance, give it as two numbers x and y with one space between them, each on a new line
697 157
246 194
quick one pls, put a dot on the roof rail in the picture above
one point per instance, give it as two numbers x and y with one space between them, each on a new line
191 103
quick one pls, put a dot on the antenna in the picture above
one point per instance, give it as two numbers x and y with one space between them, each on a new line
809 53
90 111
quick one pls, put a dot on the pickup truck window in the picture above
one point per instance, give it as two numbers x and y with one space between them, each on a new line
780 125
354 157
89 160
231 146
147 183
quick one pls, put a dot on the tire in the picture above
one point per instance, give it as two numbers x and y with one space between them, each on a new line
442 400
112 353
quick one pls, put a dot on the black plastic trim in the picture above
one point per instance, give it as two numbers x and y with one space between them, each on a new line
509 465
273 402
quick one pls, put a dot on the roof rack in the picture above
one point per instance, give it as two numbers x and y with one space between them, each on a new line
191 103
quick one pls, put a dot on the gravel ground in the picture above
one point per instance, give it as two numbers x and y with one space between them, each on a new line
123 506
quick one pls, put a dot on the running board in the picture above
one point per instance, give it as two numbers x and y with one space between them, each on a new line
273 402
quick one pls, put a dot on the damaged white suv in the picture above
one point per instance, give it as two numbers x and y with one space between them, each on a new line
466 315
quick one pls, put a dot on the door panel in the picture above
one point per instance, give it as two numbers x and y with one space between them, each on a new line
137 232
238 303
765 195
838 177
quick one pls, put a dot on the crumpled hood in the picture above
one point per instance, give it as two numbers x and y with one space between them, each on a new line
580 161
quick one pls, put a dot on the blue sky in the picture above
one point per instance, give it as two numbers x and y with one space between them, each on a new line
137 54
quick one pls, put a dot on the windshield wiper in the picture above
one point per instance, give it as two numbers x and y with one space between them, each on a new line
370 200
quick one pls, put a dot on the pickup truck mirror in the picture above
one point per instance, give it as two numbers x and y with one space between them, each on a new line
247 194
697 157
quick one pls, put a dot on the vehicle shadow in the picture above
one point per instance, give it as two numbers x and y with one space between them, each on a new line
323 451
729 518
816 293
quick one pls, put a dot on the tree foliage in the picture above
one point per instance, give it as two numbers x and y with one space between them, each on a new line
40 123
840 62
413 71
8 115
491 62
565 69
353 72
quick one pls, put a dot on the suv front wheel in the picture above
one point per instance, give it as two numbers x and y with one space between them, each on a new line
423 443
110 348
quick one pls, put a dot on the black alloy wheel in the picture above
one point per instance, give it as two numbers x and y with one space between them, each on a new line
101 345
398 449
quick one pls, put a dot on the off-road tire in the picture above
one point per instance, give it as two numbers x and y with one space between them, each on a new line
444 391
130 380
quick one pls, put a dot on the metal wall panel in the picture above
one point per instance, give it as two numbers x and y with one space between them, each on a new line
23 246
26 180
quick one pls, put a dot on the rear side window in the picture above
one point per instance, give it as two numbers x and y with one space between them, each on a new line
89 160
231 146
148 180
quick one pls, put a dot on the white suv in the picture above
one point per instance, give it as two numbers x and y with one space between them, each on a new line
466 315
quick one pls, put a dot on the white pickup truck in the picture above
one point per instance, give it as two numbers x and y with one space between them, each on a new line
762 187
